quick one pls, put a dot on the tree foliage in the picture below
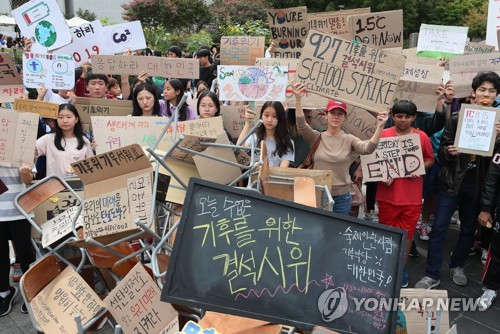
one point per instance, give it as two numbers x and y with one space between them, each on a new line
86 14
238 11
151 13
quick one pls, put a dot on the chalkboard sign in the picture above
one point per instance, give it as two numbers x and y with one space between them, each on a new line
246 254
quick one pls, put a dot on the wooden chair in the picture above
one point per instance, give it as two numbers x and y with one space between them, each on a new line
304 191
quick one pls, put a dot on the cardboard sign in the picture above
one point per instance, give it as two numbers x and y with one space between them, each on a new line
43 20
185 171
360 123
493 23
87 40
355 73
415 310
125 36
472 48
476 129
418 84
111 179
234 119
11 84
382 29
51 71
413 58
59 226
88 107
289 28
136 306
44 109
280 248
17 137
180 68
8 93
437 41
395 157
309 100
334 23
241 50
68 295
252 83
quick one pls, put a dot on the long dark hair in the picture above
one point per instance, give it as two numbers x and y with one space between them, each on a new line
183 112
77 130
211 95
281 136
150 88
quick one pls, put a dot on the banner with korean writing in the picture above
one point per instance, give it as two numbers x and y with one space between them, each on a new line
382 29
241 50
11 83
58 227
122 37
355 73
334 23
52 71
437 41
17 137
289 29
463 69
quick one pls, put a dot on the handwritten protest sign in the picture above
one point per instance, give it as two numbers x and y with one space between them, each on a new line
436 41
289 29
476 129
234 119
463 69
493 23
395 157
155 66
252 83
352 72
280 247
360 123
87 40
59 226
68 295
413 58
136 306
382 29
241 50
52 71
126 36
11 84
334 23
44 109
43 20
88 107
17 137
472 48
418 84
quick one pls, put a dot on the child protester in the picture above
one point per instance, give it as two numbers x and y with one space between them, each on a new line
400 200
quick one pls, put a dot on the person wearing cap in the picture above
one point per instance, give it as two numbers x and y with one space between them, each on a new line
335 150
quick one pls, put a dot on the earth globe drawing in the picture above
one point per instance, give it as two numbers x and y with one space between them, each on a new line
45 33
253 83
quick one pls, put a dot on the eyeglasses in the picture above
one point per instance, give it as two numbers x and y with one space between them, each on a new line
207 106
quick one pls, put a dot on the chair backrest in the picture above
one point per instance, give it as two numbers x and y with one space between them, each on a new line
40 192
304 191
40 275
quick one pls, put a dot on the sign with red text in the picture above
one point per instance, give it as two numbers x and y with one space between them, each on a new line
252 83
17 137
463 69
125 36
182 68
289 28
52 71
334 23
241 50
395 157
382 29
11 83
355 73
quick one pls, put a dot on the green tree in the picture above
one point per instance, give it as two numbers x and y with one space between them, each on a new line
151 13
238 11
477 20
86 14
195 41
157 39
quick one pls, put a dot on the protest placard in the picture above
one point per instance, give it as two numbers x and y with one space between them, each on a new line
67 296
476 129
122 37
437 41
87 40
417 319
335 22
88 107
11 84
289 29
44 109
141 311
355 73
472 48
17 137
395 157
181 68
493 23
58 227
463 69
43 20
359 122
234 119
52 71
413 58
282 245
418 83
382 29
241 50
252 83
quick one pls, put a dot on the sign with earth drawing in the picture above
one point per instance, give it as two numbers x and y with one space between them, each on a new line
252 83
43 22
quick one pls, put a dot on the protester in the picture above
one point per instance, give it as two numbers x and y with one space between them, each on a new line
47 95
114 88
173 93
208 104
206 72
146 101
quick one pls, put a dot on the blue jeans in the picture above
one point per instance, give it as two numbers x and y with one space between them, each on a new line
342 203
468 209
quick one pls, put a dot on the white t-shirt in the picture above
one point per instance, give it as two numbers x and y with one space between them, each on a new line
10 176
55 98
274 159
59 162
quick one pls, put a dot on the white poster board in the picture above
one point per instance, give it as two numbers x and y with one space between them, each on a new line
52 71
442 39
493 23
59 226
126 36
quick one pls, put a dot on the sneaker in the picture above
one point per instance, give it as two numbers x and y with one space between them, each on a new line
458 276
423 229
484 256
6 303
371 217
17 272
406 278
414 251
24 308
487 299
427 283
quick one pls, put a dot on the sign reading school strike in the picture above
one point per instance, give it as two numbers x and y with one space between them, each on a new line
241 50
334 23
463 69
395 157
289 29
382 29
349 71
